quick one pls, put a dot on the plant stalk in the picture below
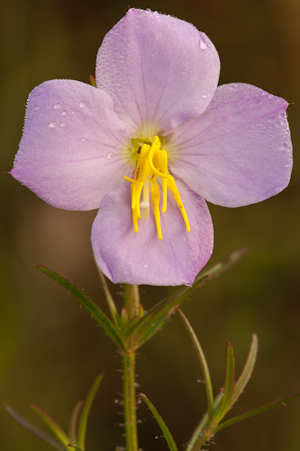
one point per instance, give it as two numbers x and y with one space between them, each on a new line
131 302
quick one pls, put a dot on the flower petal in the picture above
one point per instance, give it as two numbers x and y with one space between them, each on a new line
70 153
159 70
239 151
125 256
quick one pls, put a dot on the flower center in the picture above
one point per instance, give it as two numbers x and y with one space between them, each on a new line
152 162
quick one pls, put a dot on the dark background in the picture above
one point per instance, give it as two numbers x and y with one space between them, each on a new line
50 349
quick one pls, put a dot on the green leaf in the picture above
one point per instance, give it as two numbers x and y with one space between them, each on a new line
164 428
55 428
228 387
203 363
88 304
86 410
110 301
247 371
32 428
74 420
278 402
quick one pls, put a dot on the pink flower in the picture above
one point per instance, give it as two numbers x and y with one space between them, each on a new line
158 118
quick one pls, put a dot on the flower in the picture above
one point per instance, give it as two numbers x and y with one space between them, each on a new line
158 118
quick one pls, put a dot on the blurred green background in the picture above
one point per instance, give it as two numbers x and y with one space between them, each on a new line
50 349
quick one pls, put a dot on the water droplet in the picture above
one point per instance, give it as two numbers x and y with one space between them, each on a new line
56 106
62 124
203 46
36 108
83 139
204 96
81 105
64 113
109 155
73 112
285 146
146 266
126 272
52 124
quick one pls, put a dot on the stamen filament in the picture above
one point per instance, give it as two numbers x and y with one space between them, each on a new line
174 190
163 163
134 215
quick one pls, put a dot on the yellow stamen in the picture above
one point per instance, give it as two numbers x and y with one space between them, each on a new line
174 190
163 163
134 215
155 197
152 161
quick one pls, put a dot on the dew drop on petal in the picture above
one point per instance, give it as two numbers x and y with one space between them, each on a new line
36 108
81 105
56 106
83 139
203 46
126 272
146 265
204 96
109 155
62 124
52 124
64 113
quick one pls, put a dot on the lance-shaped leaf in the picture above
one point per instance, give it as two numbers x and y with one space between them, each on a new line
88 304
74 420
55 428
204 366
228 387
278 402
86 410
109 298
164 428
247 371
32 428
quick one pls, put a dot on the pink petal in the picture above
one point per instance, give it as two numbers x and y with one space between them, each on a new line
239 150
159 70
141 258
70 150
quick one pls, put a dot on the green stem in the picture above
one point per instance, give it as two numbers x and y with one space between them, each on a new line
130 402
131 301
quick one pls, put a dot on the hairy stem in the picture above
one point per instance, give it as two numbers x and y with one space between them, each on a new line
131 301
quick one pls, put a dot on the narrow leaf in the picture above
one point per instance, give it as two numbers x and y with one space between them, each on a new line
88 304
203 363
279 402
228 387
55 428
86 410
74 420
164 428
32 428
247 371
109 298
